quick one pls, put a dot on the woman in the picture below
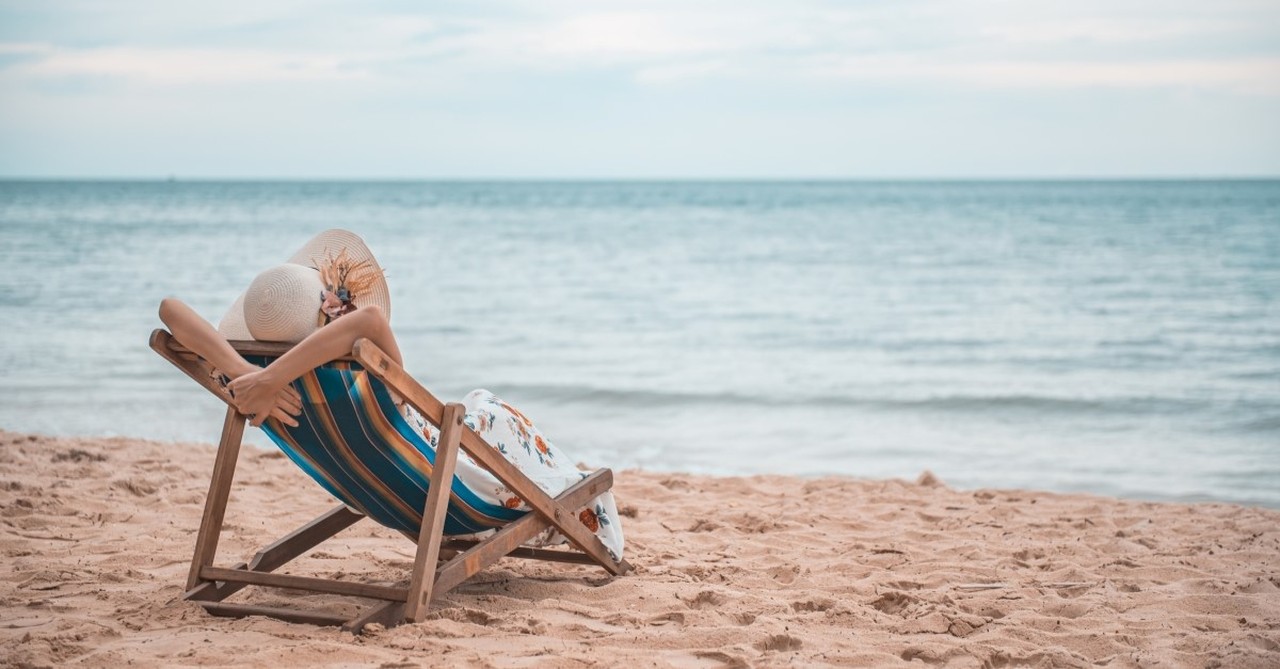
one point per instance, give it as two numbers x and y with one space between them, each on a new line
328 295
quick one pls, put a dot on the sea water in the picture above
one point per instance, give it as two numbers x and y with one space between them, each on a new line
1113 337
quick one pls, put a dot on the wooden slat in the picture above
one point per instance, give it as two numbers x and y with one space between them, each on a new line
289 615
304 538
304 583
544 554
247 347
391 373
215 504
432 528
518 531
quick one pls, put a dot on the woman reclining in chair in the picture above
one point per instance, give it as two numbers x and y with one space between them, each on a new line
330 294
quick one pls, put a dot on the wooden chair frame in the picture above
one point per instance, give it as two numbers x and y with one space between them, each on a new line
440 563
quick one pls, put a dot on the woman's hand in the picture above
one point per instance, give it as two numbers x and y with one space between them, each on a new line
288 404
259 396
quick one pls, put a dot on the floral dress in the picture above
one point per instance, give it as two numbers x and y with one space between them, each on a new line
518 439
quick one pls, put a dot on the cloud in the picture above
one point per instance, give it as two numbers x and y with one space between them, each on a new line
1258 76
176 66
685 71
1099 30
556 86
1032 45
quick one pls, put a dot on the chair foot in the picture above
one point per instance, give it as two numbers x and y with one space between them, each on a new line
387 614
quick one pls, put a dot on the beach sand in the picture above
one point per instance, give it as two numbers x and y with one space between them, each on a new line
759 571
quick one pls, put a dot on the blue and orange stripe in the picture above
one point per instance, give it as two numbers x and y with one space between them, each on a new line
352 440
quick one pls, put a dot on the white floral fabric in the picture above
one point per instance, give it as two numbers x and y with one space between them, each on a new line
513 435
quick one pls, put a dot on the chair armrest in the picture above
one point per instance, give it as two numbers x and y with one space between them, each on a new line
244 347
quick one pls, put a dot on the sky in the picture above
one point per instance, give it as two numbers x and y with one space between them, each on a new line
600 90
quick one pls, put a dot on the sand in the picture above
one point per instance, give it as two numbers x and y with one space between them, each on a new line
759 571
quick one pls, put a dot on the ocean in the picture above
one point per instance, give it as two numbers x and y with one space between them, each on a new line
1113 337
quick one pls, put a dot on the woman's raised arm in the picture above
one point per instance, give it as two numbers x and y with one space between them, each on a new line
258 387
197 335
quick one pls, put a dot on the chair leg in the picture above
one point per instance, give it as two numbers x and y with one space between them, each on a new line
432 530
215 504
387 614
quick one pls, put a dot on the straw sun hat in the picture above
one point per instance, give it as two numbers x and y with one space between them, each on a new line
284 302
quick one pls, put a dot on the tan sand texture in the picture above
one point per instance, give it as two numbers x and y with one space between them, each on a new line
97 535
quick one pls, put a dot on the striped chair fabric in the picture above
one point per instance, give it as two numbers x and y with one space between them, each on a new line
353 441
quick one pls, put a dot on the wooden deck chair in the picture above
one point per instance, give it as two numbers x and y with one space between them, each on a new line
353 441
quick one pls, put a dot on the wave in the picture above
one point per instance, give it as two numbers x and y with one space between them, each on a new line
943 403
1263 425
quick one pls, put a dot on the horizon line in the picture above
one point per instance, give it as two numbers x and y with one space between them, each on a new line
173 178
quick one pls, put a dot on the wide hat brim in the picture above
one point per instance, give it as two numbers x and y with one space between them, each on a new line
320 248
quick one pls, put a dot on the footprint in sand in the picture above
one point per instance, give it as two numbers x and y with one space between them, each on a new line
667 618
779 642
786 575
807 605
705 600
1071 610
675 483
621 620
745 618
465 615
78 455
1028 554
728 661
136 487
893 602
926 655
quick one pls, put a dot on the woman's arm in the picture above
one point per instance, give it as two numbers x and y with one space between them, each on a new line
197 335
257 388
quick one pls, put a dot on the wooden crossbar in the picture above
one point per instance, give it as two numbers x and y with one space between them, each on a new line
303 583
545 554
289 615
